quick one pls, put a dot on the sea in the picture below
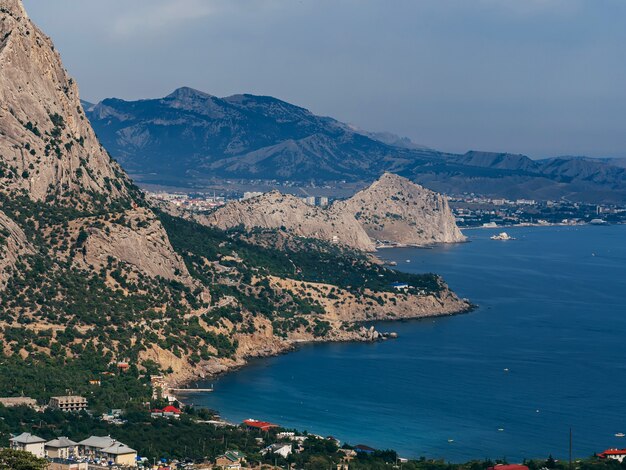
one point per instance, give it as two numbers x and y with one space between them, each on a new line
544 353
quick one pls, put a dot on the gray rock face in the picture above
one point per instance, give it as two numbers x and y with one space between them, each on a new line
280 211
396 210
47 145
13 245
49 152
392 209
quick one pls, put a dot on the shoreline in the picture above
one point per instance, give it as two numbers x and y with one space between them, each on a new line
558 224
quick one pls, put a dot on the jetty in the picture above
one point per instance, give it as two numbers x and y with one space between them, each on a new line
191 389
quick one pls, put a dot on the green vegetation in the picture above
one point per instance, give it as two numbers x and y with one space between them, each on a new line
17 460
304 259
190 437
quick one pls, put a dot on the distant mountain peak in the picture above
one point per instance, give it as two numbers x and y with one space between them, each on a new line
188 93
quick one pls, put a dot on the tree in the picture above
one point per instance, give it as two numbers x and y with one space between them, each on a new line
18 460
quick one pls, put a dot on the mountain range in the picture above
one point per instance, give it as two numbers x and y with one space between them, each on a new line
189 138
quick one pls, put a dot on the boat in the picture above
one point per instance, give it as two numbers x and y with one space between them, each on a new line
502 236
620 434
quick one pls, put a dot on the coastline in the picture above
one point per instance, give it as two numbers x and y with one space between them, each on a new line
348 327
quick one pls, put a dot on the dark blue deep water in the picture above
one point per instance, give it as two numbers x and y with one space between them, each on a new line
552 312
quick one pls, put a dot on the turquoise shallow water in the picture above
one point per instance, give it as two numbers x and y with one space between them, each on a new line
552 312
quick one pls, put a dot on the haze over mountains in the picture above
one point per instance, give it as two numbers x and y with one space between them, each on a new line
190 137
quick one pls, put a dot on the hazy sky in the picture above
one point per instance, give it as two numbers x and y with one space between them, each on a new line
541 77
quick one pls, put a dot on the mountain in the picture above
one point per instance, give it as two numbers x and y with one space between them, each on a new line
393 209
190 138
91 274
291 214
48 147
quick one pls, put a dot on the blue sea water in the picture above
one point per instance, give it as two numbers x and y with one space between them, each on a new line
552 311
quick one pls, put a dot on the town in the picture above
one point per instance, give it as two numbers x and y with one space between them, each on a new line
202 441
470 210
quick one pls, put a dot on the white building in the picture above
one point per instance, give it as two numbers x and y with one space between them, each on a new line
28 443
284 450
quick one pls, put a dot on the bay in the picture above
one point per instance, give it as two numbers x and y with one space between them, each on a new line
545 351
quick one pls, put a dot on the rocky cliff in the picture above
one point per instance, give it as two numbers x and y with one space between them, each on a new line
48 149
393 209
13 245
282 211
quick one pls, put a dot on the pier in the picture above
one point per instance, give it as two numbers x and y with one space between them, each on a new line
191 389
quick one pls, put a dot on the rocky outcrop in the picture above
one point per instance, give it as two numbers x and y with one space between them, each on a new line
135 237
281 211
393 209
47 146
13 246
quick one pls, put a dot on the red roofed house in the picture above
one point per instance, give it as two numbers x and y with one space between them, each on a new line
508 467
614 454
167 412
262 425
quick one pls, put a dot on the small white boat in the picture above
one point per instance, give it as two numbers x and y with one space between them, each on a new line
408 260
450 440
506 369
500 429
620 434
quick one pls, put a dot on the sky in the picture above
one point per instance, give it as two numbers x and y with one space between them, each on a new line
538 77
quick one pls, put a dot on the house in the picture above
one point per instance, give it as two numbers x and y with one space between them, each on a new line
64 464
284 450
10 402
68 403
400 286
92 446
230 460
28 443
613 454
167 412
363 449
261 425
120 454
61 448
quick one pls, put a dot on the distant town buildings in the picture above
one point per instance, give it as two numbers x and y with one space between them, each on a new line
68 403
194 202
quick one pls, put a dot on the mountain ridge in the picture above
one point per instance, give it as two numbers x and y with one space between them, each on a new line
191 137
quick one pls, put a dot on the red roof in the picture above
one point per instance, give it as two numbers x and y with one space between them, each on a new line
168 409
612 452
171 409
509 467
263 425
